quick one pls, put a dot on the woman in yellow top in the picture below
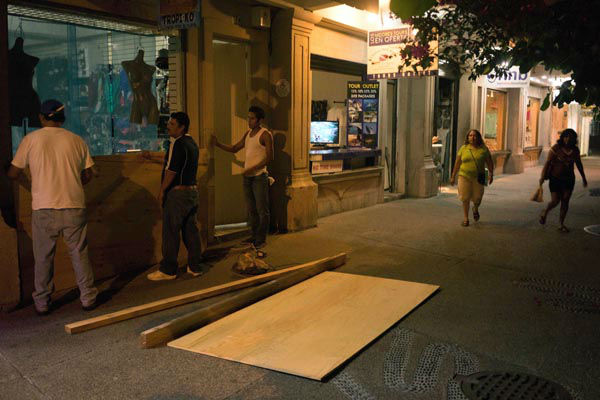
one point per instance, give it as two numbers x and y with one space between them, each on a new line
470 162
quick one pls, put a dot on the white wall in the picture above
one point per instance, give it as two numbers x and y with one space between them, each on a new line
330 86
329 43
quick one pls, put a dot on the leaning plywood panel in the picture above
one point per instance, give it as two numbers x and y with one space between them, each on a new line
310 328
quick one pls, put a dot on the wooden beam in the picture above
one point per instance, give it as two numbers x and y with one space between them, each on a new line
170 302
187 323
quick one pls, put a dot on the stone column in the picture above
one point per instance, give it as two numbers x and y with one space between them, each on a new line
516 115
415 130
10 291
291 107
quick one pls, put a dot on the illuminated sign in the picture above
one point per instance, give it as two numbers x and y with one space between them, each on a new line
385 59
512 78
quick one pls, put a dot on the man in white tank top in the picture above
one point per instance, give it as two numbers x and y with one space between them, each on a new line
258 144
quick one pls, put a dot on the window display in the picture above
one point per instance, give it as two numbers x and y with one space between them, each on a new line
495 109
116 99
531 127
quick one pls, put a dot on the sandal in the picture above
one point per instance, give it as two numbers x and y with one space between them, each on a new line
465 223
542 219
564 229
476 215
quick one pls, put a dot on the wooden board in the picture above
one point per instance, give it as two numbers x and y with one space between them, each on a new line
137 311
189 322
311 328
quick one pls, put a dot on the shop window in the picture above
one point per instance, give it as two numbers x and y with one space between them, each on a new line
531 126
443 135
494 122
113 83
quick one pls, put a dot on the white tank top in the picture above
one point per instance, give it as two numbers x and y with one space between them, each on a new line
255 151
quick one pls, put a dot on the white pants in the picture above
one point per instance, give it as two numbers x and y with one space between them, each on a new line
47 225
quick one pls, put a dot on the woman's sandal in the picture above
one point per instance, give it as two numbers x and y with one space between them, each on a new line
465 223
476 215
564 229
542 219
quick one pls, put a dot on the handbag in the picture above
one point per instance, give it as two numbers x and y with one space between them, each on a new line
481 176
538 195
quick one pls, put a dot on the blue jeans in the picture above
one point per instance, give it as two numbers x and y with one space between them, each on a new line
256 191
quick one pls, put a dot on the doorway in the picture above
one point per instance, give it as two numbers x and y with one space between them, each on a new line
445 135
231 100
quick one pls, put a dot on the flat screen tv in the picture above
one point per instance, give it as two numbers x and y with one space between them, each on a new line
325 133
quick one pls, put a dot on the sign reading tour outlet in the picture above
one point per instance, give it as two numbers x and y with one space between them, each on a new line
512 79
179 14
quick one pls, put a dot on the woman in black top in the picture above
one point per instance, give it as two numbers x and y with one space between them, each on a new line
561 173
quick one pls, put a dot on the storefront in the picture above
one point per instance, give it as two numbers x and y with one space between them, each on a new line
346 158
119 78
93 66
509 115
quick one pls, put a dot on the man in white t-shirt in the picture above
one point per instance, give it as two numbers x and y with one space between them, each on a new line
60 164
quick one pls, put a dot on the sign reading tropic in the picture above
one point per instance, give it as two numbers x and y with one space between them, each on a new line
385 58
179 13
512 78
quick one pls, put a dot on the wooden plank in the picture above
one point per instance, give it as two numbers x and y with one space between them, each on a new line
170 302
312 328
187 323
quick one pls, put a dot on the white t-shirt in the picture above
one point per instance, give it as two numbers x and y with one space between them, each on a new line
55 157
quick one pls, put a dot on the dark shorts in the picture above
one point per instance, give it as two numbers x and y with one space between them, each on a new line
561 185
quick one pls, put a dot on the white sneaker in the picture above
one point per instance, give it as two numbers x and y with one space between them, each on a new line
192 273
160 276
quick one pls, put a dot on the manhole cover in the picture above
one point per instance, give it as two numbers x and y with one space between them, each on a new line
595 192
593 229
494 385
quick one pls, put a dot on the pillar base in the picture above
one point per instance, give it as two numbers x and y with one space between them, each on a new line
544 156
426 182
515 164
302 205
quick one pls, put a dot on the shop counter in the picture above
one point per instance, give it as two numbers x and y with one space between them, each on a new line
348 179
335 160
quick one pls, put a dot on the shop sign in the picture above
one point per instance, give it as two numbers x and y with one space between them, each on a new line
384 54
179 14
363 114
512 79
327 167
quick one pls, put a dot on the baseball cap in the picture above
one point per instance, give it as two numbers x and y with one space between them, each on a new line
50 107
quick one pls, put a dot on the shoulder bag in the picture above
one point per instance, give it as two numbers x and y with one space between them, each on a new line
481 176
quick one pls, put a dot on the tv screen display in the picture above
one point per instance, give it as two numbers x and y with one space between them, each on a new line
325 132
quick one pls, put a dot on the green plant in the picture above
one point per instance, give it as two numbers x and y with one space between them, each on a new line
484 36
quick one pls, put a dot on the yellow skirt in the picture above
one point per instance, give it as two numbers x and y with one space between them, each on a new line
469 190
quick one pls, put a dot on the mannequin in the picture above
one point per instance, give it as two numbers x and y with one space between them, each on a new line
140 78
24 101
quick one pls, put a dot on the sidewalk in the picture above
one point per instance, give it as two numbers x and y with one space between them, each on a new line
515 296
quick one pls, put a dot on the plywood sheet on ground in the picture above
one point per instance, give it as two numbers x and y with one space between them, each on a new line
311 328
